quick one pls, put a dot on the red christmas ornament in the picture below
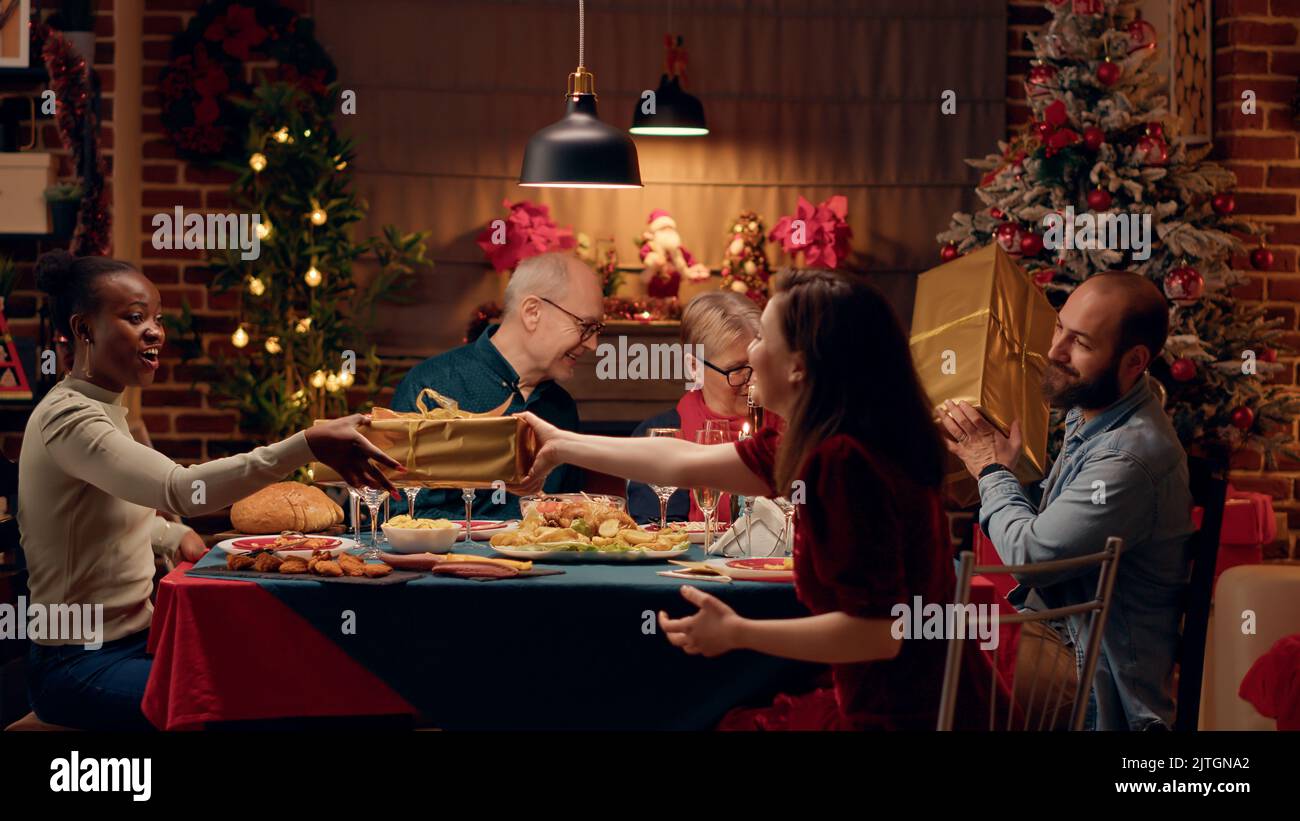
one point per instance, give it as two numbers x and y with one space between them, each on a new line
949 252
1184 285
1056 114
1243 418
1108 73
1009 236
1224 204
1141 35
1261 258
1040 77
1156 130
1152 151
1031 245
1099 199
997 213
1089 6
1093 137
1268 355
1183 370
1044 275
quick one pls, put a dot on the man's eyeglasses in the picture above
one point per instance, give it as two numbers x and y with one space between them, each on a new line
737 377
586 328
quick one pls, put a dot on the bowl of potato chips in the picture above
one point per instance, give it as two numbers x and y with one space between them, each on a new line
408 535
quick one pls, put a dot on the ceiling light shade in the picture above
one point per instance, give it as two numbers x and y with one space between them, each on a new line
580 151
676 114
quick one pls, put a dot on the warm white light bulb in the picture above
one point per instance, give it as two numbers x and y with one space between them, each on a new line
239 338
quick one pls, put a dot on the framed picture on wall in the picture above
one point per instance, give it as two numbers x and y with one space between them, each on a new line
1186 57
14 16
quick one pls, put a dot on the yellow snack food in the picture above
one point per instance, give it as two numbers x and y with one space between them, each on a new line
407 523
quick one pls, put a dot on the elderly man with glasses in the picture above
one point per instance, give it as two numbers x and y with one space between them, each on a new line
553 315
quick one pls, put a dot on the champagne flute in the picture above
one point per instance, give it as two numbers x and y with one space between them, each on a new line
372 497
706 498
754 421
664 492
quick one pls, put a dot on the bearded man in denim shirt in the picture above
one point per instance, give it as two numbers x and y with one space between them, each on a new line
1122 472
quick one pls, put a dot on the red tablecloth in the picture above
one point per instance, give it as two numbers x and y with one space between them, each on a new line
230 651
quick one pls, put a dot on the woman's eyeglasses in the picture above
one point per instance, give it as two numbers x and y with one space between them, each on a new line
586 328
737 377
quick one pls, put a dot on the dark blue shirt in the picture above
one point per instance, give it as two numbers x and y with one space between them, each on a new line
642 503
478 377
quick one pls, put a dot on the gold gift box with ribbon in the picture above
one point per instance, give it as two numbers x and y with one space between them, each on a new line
981 331
446 447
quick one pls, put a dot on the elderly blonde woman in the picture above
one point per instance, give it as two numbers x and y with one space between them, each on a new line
724 323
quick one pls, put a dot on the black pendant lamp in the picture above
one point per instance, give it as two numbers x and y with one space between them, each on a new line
580 151
676 113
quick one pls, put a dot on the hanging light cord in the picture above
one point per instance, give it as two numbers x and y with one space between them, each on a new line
582 31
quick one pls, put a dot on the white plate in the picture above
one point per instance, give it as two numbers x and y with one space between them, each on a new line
345 544
592 556
751 575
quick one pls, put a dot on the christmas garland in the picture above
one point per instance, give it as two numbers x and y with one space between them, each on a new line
78 125
204 84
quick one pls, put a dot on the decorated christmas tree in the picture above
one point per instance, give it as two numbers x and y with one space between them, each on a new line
745 268
304 319
1102 156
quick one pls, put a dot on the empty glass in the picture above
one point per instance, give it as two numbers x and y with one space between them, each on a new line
706 498
664 492
468 495
372 497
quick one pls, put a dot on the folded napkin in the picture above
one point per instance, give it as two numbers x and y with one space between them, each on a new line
759 532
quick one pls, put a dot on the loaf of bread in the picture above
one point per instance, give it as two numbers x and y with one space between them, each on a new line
285 506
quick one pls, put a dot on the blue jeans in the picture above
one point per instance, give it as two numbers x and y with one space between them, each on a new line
91 689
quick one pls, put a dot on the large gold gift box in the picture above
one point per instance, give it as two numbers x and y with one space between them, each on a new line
444 447
981 331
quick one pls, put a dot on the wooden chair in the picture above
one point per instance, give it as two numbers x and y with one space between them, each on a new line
1035 714
30 723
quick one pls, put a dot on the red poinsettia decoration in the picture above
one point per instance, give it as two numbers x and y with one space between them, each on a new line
821 232
237 31
529 231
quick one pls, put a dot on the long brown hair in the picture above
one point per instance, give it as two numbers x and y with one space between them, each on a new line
860 379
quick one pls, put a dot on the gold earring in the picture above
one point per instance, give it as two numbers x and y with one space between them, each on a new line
89 347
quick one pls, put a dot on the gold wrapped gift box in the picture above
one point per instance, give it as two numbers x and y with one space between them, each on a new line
445 447
981 331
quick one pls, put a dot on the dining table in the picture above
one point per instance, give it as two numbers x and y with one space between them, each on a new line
579 650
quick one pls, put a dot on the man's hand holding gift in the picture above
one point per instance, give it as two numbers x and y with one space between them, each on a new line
977 443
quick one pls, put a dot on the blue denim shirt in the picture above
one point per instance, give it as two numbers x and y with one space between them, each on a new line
1124 473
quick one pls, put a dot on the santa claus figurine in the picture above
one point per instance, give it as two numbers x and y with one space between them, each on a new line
665 258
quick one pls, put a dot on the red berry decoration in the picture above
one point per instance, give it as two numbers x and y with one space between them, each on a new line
1043 130
1044 275
1268 355
997 213
1261 258
1184 285
1152 151
1099 199
949 252
1031 245
1183 370
1108 73
1093 138
1224 204
1243 418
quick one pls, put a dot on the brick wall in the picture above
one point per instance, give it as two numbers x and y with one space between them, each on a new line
21 307
1257 47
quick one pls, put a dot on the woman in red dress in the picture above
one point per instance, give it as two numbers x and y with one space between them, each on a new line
863 460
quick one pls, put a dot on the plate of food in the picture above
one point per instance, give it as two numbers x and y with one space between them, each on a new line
587 530
693 530
289 545
774 569
320 563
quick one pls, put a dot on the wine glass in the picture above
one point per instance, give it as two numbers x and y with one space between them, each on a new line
787 507
411 492
468 495
372 497
354 511
664 492
706 498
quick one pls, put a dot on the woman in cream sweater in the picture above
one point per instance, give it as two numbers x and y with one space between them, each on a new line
88 492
